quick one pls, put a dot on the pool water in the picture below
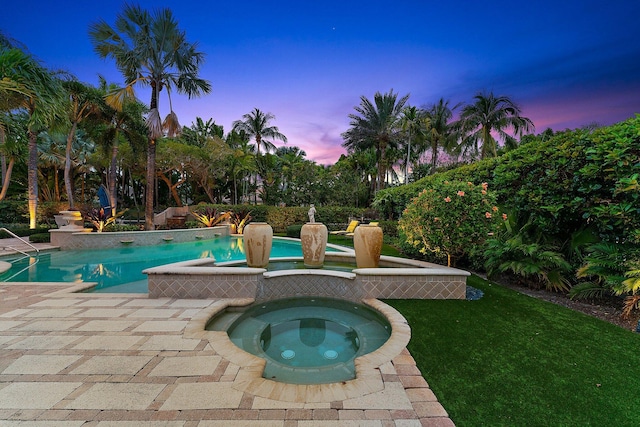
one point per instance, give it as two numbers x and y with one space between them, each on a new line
120 269
305 340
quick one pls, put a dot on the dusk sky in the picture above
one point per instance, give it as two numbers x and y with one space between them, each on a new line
566 63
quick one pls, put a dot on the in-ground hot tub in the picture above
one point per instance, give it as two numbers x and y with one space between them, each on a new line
308 340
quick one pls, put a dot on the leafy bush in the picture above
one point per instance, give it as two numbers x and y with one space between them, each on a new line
451 219
124 227
22 231
565 187
40 238
281 218
209 216
389 228
294 231
13 212
538 262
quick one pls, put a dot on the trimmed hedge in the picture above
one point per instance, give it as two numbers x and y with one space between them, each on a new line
40 238
572 181
282 217
22 231
294 231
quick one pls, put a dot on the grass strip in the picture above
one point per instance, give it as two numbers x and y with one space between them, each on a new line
510 359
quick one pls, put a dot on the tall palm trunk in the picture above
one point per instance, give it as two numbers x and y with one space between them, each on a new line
6 169
32 178
3 157
488 144
151 166
7 178
434 155
113 198
67 166
382 165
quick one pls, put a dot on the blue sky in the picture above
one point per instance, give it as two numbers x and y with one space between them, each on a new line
566 63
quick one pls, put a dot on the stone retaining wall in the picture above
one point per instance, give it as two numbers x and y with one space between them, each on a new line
200 279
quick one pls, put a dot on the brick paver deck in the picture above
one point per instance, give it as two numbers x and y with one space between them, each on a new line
123 360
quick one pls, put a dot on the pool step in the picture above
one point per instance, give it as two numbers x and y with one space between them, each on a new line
223 321
318 375
246 335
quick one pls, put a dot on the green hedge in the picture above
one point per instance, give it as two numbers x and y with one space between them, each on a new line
294 231
22 231
40 238
572 181
282 217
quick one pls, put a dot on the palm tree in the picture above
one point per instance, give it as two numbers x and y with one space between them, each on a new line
83 102
440 132
200 131
413 122
256 125
120 118
36 90
150 49
290 161
491 114
376 125
242 162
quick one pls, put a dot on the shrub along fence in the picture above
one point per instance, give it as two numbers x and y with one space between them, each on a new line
563 194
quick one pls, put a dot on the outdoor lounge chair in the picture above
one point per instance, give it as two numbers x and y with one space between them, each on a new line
352 226
375 224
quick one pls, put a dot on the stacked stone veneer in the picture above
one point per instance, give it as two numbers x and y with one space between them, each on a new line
408 280
85 240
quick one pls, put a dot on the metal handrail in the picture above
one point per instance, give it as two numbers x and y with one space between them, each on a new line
26 242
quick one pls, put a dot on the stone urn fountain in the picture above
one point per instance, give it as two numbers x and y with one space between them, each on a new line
73 219
313 237
258 238
367 242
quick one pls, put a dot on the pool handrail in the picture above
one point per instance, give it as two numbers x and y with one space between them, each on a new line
26 242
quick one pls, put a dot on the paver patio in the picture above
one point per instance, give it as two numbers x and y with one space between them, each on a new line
124 360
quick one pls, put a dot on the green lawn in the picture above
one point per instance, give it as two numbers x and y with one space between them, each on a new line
513 360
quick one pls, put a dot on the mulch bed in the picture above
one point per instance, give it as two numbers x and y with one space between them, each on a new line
608 309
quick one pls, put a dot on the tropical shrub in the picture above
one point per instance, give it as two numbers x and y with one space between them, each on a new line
540 264
294 231
452 219
239 219
611 269
22 230
572 188
40 238
281 219
209 216
99 219
13 212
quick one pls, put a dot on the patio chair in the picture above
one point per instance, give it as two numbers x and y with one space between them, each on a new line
352 226
375 224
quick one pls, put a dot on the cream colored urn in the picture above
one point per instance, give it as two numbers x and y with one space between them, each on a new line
258 238
367 242
313 237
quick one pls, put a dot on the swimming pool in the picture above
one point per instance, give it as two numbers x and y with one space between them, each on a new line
120 269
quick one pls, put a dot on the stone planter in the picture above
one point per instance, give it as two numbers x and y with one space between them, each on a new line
176 222
367 242
70 221
313 237
258 237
